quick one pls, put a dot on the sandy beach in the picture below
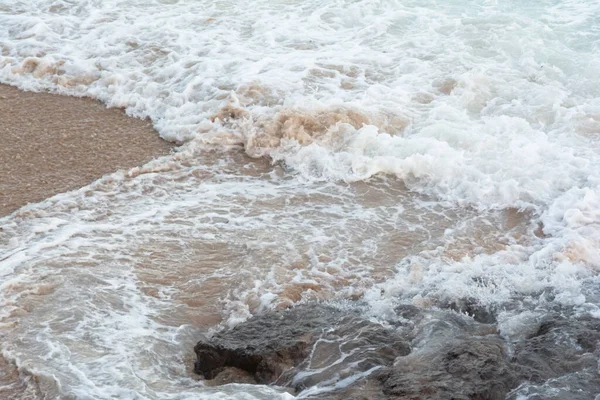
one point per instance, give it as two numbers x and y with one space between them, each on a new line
52 144
328 200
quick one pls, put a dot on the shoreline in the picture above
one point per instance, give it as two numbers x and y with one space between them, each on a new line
54 143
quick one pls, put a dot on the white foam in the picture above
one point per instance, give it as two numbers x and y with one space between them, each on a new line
486 107
503 136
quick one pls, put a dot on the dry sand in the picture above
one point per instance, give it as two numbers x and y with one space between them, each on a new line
51 144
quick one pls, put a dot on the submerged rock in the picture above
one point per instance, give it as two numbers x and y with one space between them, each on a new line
560 360
300 347
475 368
324 352
476 311
266 345
454 357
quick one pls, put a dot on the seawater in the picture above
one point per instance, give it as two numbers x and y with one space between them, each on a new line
390 151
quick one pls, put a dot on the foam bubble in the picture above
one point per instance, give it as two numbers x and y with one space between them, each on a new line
479 111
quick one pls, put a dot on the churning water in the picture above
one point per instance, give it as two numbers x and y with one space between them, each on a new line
419 152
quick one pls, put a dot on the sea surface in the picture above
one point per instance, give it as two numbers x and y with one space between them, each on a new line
397 152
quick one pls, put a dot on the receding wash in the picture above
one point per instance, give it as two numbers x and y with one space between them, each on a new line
421 177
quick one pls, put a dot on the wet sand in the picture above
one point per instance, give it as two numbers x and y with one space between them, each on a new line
52 144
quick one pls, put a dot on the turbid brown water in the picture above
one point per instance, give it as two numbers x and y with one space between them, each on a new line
52 144
214 225
438 155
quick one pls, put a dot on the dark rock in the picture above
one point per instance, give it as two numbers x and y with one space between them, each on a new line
452 359
463 369
231 374
324 352
355 346
300 347
409 312
582 385
265 345
479 313
561 347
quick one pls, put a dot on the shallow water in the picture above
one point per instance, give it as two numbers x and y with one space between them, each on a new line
140 266
398 152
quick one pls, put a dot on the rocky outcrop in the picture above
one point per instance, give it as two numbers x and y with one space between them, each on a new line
264 346
477 368
561 359
326 352
300 347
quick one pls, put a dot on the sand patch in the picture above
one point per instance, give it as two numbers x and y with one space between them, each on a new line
52 144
